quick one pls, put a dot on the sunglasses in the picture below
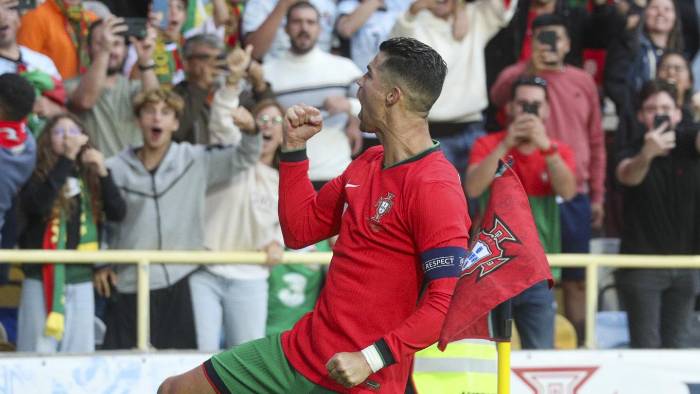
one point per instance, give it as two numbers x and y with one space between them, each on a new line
266 120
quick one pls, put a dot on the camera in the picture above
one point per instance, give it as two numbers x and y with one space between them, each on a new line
660 119
531 108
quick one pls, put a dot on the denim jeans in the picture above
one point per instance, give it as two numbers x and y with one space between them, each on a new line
575 218
236 306
659 305
79 332
458 147
533 312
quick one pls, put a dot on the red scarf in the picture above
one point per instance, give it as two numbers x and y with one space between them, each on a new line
12 134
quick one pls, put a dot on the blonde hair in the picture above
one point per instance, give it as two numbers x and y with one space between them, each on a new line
165 95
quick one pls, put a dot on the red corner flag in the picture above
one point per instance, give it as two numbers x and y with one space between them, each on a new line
506 259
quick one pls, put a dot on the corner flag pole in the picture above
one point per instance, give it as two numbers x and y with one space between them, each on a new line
502 320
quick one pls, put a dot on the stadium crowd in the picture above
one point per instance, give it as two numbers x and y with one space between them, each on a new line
123 127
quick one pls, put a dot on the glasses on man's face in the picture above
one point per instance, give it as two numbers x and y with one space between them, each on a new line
267 120
206 57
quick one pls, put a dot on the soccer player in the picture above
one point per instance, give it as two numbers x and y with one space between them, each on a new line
402 222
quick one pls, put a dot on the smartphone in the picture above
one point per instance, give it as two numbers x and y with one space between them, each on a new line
550 38
163 8
659 119
531 108
136 27
24 5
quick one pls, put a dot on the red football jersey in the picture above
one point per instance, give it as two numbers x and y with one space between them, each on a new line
531 168
385 218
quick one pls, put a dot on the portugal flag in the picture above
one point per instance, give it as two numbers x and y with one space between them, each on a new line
506 258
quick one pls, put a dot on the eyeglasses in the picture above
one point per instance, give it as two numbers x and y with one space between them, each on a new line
678 68
61 131
266 120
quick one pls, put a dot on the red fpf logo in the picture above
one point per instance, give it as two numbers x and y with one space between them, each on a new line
383 206
488 254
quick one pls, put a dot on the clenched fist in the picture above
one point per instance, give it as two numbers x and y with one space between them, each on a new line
348 369
301 123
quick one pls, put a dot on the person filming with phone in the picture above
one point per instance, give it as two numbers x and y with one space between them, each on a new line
659 169
575 119
545 167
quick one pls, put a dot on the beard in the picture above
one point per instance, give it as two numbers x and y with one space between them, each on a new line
298 47
113 70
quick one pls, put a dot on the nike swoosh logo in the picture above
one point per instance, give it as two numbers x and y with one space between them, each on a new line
351 185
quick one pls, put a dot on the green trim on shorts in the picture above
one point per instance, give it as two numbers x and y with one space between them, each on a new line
260 366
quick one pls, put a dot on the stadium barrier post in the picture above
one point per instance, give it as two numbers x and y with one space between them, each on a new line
591 303
142 306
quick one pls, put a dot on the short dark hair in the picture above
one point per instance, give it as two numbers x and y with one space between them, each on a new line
419 68
528 80
653 87
545 20
17 97
302 4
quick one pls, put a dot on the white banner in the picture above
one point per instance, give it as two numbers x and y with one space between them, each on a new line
606 371
541 372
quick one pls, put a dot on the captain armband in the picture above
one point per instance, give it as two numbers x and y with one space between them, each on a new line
441 263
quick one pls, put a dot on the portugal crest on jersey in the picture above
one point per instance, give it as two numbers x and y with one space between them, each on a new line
383 206
488 253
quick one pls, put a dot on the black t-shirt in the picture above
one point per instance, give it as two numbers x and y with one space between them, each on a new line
661 215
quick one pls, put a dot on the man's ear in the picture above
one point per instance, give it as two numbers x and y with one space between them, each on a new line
510 106
393 96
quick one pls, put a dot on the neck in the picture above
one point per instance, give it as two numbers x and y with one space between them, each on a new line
11 51
404 137
151 157
659 39
526 148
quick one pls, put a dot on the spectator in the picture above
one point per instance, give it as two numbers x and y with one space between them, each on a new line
102 96
305 73
164 184
574 119
64 203
546 169
660 169
50 99
15 58
200 22
633 56
264 26
674 69
17 146
366 24
241 215
459 32
59 30
587 29
206 64
167 55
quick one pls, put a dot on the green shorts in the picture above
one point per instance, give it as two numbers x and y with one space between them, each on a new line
257 367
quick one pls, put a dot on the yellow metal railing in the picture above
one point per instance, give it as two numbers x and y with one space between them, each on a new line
143 259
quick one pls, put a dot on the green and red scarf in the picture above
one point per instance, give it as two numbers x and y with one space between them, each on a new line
54 275
77 26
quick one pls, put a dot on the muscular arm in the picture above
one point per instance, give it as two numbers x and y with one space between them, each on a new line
562 177
307 217
633 170
262 37
480 175
91 85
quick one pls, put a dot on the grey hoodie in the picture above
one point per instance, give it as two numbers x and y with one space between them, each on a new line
165 209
